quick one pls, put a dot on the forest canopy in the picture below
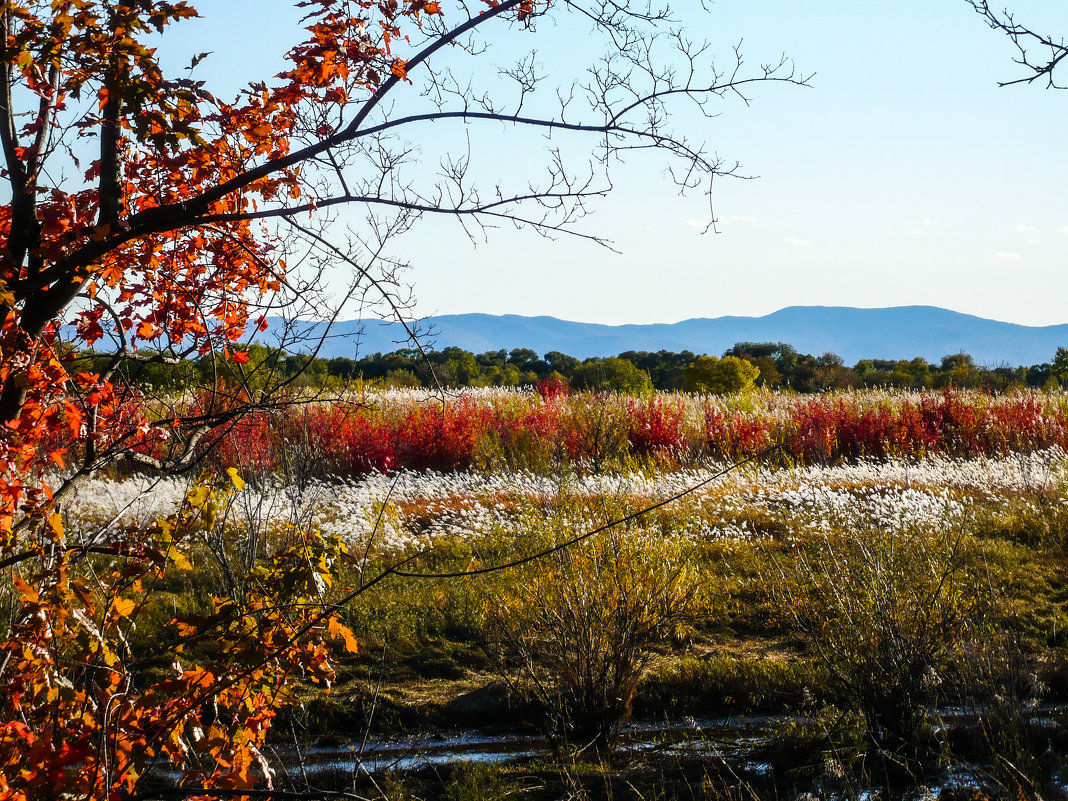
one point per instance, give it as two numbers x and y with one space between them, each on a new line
772 365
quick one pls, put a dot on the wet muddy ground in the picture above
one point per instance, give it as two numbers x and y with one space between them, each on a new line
768 756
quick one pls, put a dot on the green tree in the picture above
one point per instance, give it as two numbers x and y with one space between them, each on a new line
1038 375
465 367
957 370
770 376
783 356
612 374
561 363
401 378
1058 368
666 368
523 358
725 376
341 367
831 372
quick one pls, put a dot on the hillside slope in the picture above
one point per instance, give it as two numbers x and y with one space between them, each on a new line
901 332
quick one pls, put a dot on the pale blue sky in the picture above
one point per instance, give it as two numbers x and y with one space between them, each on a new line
904 175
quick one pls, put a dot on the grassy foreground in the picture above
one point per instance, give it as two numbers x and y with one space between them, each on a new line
868 601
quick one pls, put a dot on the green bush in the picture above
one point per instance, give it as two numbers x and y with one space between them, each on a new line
576 628
884 610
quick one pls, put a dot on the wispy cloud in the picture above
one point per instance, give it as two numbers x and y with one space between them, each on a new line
925 223
746 219
797 243
1010 256
1063 229
700 225
1027 229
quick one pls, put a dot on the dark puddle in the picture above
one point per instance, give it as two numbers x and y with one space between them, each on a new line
751 753
734 738
745 750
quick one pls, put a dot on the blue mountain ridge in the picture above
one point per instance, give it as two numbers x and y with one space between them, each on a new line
901 332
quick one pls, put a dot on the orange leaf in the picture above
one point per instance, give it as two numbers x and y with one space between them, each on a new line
342 632
123 607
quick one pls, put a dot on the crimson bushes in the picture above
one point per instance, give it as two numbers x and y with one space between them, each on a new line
541 432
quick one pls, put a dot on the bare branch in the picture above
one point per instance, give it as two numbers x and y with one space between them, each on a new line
1040 55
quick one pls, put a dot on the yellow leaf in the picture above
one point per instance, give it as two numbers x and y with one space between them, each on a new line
198 498
179 560
238 482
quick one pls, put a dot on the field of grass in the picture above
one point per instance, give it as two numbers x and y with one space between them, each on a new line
896 563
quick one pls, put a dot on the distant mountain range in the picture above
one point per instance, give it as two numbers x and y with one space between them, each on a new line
901 332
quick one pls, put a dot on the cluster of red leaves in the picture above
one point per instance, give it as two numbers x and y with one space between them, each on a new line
552 388
159 237
736 435
246 445
830 430
180 261
346 440
657 426
173 242
439 438
532 432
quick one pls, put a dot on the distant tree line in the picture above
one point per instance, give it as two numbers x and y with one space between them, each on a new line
774 365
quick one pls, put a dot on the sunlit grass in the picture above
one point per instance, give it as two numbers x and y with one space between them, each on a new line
759 544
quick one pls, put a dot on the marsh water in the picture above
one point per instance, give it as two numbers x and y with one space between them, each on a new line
754 757
737 739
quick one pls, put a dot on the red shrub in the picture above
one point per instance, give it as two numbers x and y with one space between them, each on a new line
813 432
914 435
528 432
245 444
351 440
552 388
963 425
656 427
1023 423
433 437
737 436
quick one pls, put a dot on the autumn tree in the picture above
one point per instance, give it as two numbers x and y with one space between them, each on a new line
150 216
